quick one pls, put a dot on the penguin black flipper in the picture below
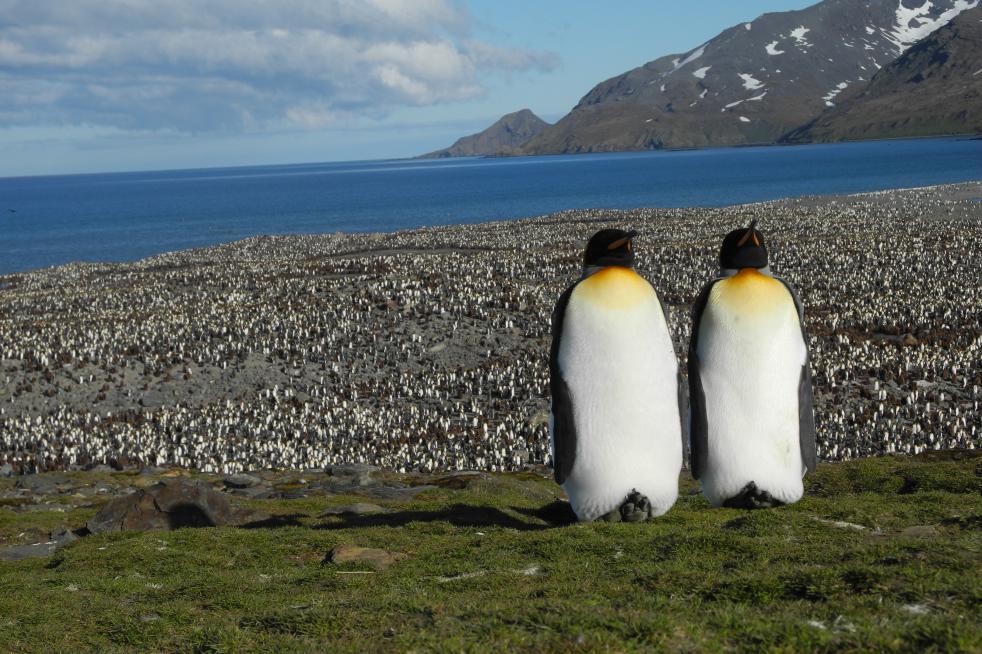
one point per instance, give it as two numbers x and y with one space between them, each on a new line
698 424
806 402
563 426
683 394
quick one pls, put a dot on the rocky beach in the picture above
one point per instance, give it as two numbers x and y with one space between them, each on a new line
426 350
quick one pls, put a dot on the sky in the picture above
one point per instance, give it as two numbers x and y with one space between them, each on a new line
119 85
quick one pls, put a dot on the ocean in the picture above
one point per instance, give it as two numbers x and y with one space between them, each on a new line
47 221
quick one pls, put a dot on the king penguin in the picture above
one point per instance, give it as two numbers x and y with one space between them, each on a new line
752 420
616 393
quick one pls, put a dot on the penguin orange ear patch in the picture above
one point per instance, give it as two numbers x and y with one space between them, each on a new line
619 242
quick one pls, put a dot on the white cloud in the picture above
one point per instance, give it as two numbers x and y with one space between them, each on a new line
237 64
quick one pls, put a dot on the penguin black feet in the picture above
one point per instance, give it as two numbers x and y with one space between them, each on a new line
636 508
752 497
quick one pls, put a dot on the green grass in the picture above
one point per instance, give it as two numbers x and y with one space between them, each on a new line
484 573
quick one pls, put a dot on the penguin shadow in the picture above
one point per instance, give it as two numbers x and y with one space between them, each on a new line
276 522
458 515
554 514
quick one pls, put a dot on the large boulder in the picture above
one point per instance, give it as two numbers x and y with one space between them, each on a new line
172 504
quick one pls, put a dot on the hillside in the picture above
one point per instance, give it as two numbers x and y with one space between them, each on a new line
505 136
933 88
752 83
882 554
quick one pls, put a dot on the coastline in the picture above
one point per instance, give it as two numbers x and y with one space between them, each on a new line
408 351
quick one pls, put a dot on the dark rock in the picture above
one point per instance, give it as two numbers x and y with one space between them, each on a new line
241 480
255 493
63 536
173 504
293 494
357 474
43 548
376 558
44 483
32 551
35 508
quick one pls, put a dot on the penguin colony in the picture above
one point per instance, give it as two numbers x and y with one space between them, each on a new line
428 349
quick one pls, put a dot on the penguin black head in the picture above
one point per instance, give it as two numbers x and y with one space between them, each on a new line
743 248
610 247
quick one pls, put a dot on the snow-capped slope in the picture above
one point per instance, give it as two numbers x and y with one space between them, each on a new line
793 65
934 88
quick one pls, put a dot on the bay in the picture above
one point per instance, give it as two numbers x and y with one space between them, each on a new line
46 221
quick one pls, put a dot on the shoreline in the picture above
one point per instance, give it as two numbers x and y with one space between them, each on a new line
405 350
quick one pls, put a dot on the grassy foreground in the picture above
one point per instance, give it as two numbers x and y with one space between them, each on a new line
488 571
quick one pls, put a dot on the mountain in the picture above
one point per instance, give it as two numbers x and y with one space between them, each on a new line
933 88
752 83
504 137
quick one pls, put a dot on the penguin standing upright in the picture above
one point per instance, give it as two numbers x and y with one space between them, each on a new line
616 394
752 422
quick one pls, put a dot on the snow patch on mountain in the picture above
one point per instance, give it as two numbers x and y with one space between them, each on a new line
695 54
798 34
914 23
701 72
772 48
750 83
744 119
839 88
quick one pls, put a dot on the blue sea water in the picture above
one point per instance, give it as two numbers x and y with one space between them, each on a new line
47 221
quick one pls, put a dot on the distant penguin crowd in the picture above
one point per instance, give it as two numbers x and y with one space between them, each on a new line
619 409
428 349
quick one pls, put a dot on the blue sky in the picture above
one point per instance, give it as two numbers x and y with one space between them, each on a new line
107 85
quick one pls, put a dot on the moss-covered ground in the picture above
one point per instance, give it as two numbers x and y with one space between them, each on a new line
489 570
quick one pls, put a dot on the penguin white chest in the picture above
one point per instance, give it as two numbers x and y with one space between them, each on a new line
617 358
751 353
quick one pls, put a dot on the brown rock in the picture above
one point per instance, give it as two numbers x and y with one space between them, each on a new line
171 504
378 559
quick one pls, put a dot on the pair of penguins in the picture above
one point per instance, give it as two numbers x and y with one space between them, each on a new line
619 404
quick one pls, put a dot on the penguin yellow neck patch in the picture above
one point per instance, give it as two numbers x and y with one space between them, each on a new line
614 287
752 291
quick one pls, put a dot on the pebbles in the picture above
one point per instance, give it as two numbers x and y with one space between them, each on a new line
427 350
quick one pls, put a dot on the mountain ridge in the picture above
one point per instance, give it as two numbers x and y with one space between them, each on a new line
752 83
934 88
504 136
